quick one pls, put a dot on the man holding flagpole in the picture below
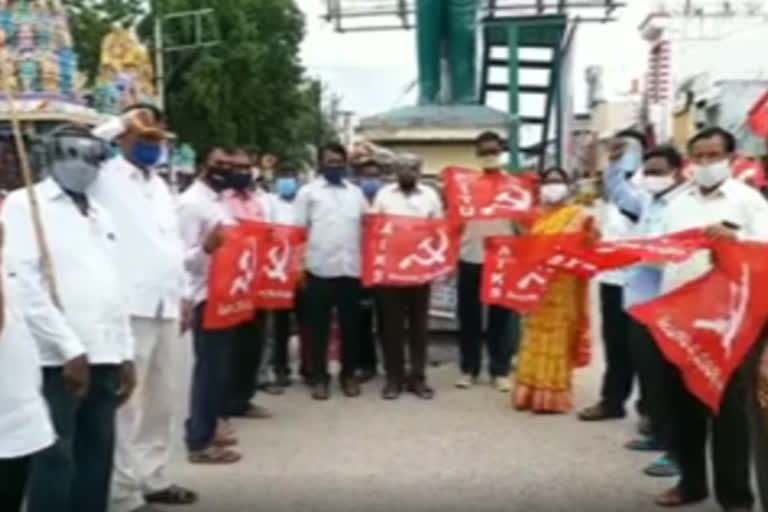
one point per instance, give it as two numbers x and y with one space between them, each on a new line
74 304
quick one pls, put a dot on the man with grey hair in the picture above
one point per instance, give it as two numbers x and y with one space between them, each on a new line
401 306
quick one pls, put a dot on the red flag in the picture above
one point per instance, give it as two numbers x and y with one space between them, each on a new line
515 275
707 327
588 261
472 195
281 258
231 277
758 117
519 269
407 251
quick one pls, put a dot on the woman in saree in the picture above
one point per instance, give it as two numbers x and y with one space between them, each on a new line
555 335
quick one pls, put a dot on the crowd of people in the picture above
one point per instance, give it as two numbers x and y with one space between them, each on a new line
106 267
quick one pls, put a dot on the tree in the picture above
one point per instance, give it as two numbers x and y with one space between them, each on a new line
91 20
250 89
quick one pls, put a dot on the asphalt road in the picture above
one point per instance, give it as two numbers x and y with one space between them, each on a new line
464 451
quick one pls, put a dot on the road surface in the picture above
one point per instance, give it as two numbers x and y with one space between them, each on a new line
465 451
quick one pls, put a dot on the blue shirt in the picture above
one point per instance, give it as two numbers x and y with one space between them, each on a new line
643 282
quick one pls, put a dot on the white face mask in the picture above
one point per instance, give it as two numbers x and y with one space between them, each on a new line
553 193
657 184
711 175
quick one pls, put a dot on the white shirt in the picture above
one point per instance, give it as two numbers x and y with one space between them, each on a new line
25 427
93 318
333 217
150 247
283 210
201 209
422 202
614 225
733 202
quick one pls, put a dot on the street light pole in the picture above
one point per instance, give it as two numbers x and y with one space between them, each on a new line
159 53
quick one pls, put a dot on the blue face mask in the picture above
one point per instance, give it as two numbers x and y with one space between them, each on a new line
334 175
146 155
370 187
240 180
287 187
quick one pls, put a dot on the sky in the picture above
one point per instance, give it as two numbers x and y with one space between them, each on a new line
371 71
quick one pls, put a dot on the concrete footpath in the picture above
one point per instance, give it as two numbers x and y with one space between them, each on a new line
464 451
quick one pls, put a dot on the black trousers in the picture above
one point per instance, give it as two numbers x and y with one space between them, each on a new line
619 366
74 474
404 320
286 322
323 296
247 351
730 442
370 325
13 475
501 343
759 416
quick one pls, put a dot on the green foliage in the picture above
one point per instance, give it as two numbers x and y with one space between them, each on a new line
91 20
250 89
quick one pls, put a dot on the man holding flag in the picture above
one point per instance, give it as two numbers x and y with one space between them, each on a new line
729 210
407 304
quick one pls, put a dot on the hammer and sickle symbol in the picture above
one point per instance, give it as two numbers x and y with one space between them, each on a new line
516 198
278 262
242 283
430 254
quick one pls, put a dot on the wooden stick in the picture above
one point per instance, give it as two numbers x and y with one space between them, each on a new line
26 172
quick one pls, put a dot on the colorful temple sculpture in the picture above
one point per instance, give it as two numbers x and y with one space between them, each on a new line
126 74
38 62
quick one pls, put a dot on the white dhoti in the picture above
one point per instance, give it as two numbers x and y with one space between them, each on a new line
147 423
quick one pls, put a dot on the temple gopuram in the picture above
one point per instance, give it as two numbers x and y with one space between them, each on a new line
38 65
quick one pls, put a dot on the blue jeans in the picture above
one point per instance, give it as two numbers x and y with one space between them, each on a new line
210 390
74 474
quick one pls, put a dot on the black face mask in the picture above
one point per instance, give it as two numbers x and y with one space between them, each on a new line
218 178
240 180
407 182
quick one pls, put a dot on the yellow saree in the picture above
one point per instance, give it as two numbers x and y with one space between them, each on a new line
554 334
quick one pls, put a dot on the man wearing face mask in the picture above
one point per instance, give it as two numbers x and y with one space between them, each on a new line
401 306
82 329
204 213
727 209
369 179
489 147
151 257
284 208
332 209
661 182
615 224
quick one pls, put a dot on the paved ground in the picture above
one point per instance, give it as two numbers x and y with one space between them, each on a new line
465 451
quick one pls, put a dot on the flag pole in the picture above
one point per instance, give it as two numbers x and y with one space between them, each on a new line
26 172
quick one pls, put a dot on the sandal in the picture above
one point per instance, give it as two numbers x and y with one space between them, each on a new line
675 497
664 467
214 456
173 495
255 412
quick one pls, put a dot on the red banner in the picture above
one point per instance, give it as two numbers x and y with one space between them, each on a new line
758 117
258 267
407 251
231 279
707 327
472 195
281 258
518 270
